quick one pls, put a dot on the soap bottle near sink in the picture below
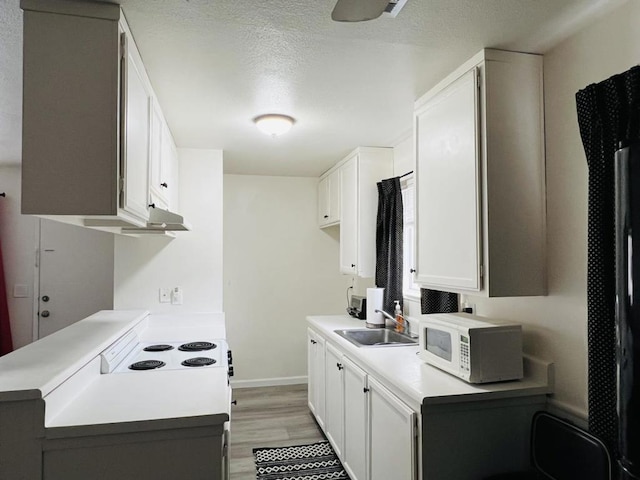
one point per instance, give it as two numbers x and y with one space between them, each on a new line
397 313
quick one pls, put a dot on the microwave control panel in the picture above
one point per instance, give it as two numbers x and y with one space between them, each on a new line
464 353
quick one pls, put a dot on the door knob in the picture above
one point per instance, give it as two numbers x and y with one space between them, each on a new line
45 313
45 298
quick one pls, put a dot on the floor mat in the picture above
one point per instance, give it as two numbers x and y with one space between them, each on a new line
315 461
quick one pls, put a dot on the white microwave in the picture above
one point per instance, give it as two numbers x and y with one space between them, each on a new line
475 349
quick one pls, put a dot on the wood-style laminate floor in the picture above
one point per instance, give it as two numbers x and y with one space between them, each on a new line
268 417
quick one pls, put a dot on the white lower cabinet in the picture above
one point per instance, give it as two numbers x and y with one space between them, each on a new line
334 398
371 430
316 376
392 435
355 420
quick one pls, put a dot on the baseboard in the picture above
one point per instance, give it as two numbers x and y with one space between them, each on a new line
268 382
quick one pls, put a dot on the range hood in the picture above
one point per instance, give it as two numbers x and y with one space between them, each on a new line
161 221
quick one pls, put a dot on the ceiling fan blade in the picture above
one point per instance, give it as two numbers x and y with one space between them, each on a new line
358 10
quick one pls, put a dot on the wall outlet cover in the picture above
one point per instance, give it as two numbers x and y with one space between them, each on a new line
165 295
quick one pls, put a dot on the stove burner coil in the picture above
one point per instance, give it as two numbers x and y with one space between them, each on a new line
158 348
198 362
196 346
147 365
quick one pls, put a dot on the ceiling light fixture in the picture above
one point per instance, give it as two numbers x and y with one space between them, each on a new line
274 124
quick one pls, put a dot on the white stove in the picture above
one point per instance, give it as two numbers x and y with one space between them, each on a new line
129 355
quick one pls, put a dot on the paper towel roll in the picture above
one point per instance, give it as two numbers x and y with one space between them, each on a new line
374 302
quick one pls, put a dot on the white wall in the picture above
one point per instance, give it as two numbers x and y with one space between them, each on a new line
192 260
556 325
278 268
18 236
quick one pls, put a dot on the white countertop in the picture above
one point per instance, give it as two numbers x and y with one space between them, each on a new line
92 401
148 396
34 370
419 383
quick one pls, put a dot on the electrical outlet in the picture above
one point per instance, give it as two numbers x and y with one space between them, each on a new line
176 296
165 295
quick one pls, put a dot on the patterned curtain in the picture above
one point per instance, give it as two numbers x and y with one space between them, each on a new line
608 112
434 301
389 242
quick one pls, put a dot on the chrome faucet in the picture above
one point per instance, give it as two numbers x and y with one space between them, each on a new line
405 327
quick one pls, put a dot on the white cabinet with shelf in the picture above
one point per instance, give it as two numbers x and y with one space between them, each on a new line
480 195
359 174
329 199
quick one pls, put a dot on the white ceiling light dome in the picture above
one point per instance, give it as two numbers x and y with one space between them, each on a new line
274 124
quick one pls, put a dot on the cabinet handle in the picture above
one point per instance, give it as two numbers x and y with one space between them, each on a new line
365 389
152 205
413 270
339 365
353 265
326 216
164 184
313 342
234 402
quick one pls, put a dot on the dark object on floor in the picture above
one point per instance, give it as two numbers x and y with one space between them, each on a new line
315 460
561 451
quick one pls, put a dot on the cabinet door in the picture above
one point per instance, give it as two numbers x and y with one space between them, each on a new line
448 188
334 407
333 191
135 160
316 384
355 420
323 201
392 436
156 157
349 216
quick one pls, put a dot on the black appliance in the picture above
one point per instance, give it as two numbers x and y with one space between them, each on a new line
627 197
358 307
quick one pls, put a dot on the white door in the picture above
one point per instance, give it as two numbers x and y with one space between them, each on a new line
334 401
75 275
392 436
355 420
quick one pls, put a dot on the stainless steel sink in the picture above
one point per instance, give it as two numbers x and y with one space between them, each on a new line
382 337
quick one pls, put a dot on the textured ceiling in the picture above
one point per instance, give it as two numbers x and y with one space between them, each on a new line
217 64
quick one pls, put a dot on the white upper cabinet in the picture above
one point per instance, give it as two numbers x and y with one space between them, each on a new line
359 174
329 199
90 127
480 179
163 183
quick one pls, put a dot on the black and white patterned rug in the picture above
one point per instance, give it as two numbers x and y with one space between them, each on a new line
316 461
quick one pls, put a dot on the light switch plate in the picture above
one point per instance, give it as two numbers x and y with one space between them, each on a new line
165 295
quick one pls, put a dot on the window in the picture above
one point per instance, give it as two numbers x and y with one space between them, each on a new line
410 289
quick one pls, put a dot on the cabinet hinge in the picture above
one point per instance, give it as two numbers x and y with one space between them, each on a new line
481 271
123 45
478 79
416 430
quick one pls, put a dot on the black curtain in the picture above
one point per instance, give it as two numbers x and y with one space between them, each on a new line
435 301
389 242
608 112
